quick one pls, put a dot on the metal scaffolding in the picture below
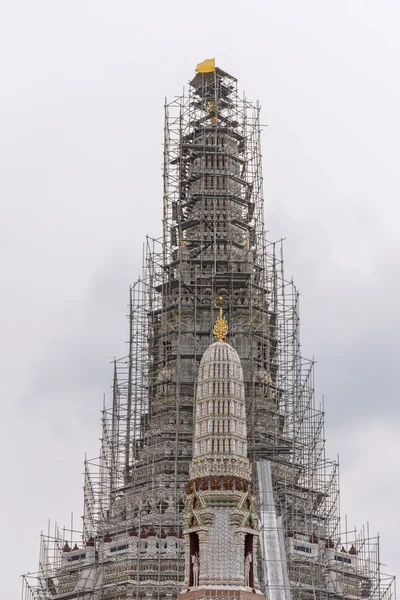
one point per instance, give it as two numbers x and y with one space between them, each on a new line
213 244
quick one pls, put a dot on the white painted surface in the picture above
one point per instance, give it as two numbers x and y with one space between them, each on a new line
271 538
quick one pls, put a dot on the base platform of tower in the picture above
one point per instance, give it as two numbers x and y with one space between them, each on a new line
212 481
210 593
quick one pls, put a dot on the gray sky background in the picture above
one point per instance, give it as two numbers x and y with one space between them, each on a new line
81 121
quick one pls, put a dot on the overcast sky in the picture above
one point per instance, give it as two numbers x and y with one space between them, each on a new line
81 121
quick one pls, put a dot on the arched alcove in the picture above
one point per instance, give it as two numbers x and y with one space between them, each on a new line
248 549
194 548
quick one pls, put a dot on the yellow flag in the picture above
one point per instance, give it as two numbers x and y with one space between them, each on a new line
207 66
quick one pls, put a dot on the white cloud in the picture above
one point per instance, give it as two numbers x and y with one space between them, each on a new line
370 486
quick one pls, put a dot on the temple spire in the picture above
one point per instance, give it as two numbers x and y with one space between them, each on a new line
221 523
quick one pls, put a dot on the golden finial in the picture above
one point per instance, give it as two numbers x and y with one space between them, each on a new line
221 326
212 108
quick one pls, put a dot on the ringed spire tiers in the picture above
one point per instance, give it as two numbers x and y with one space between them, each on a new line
221 521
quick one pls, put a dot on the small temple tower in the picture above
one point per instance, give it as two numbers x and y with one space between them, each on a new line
221 522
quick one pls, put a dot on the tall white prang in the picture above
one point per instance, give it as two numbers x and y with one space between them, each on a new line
221 521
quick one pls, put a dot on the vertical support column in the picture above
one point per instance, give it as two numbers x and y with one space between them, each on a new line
204 556
239 546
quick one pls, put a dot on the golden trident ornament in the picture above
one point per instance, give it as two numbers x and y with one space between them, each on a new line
221 326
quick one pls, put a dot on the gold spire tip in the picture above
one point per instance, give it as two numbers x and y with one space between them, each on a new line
221 325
